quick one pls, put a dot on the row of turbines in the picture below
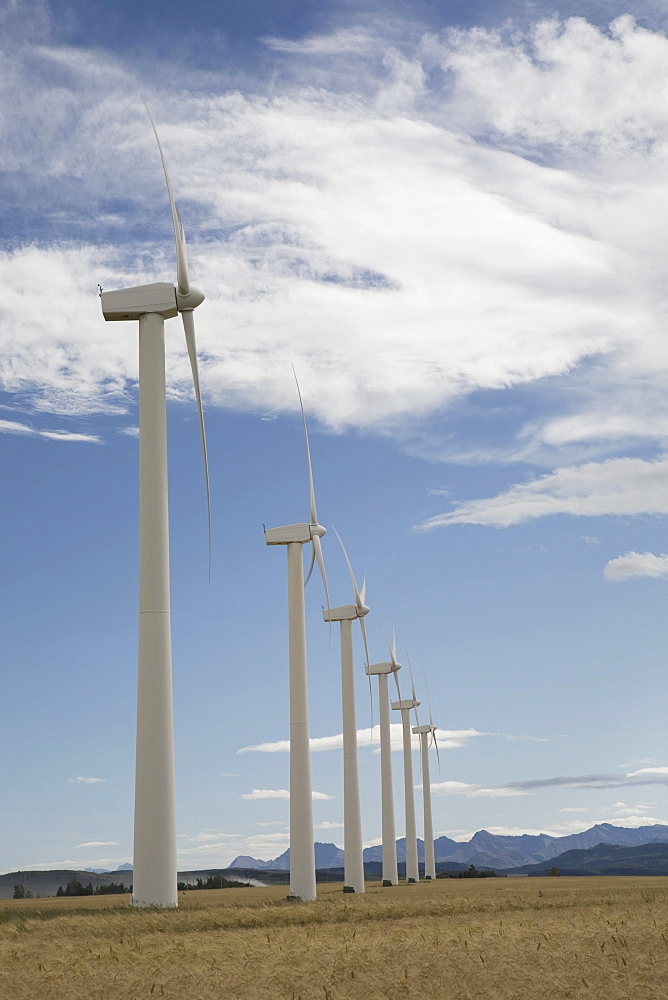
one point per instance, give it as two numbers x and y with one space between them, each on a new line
155 861
302 856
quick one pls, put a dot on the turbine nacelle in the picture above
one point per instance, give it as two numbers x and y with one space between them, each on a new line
347 612
382 668
301 533
131 303
405 703
159 297
422 729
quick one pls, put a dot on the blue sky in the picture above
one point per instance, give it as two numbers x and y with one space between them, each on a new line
450 218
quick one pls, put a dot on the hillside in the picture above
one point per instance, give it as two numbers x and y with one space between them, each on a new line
45 883
604 859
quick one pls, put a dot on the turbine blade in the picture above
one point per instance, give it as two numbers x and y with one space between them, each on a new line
311 565
317 550
413 695
191 344
366 647
392 649
426 687
396 681
359 599
312 508
182 279
431 720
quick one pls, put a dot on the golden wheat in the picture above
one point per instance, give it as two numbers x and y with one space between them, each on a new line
491 939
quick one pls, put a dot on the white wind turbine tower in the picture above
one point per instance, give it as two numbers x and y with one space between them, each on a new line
352 822
382 670
294 536
404 705
425 732
154 877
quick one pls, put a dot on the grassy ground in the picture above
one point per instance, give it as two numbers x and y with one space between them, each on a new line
486 939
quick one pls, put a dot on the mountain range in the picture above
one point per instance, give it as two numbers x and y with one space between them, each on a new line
484 849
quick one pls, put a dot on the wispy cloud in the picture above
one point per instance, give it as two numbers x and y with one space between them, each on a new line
448 739
99 843
278 793
635 564
344 41
476 791
13 427
618 486
86 781
219 852
644 776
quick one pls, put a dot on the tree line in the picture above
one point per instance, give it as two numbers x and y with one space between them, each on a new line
213 882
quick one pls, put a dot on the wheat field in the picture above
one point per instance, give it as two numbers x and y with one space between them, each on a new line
468 939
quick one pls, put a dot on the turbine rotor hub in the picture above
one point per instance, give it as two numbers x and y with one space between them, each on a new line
193 299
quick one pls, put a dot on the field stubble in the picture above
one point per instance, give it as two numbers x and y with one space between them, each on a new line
510 939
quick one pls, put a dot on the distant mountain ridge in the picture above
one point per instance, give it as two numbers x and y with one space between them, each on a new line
485 849
605 859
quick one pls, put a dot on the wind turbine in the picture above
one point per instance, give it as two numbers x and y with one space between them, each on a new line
154 879
404 705
294 536
352 823
425 732
390 875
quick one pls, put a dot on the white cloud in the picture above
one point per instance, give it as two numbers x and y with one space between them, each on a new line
636 564
278 793
644 776
86 781
207 835
328 826
356 227
448 739
99 843
341 42
13 427
219 853
618 486
563 83
74 864
622 809
574 809
475 791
